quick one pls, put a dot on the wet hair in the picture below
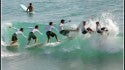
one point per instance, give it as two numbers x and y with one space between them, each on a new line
97 22
30 3
62 21
36 26
50 23
21 29
84 22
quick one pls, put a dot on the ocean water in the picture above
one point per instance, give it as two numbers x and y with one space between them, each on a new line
82 52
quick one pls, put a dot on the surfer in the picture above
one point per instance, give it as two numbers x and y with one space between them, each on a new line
83 29
99 29
14 36
63 31
49 32
32 35
30 8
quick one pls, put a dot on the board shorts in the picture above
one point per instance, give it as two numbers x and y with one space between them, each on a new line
31 35
99 31
50 33
84 32
103 28
14 37
64 32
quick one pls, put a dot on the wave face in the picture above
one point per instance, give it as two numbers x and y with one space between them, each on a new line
82 52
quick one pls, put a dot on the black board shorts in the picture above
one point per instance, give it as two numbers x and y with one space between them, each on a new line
31 35
50 33
64 32
99 31
14 37
84 32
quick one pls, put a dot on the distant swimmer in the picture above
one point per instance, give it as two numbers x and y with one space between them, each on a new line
99 29
32 34
63 31
49 32
85 30
14 36
30 8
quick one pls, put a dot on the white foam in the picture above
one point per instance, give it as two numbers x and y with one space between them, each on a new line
8 54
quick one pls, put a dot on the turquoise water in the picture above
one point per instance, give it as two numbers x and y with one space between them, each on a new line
81 52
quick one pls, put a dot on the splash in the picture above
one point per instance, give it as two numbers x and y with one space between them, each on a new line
106 20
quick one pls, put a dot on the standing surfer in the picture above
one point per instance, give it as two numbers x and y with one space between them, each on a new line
14 36
63 31
32 35
49 32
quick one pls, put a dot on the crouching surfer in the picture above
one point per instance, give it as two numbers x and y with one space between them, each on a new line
64 32
32 34
49 32
14 35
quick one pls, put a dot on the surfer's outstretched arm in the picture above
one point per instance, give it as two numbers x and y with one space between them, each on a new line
55 29
40 32
24 35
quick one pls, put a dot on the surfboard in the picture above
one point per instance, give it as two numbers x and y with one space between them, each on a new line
38 45
23 7
35 45
52 44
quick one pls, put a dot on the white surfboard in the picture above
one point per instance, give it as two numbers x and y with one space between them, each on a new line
43 44
35 45
53 44
23 7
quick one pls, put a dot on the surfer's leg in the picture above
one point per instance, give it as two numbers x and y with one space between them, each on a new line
14 39
29 38
35 40
48 36
13 42
48 39
56 37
